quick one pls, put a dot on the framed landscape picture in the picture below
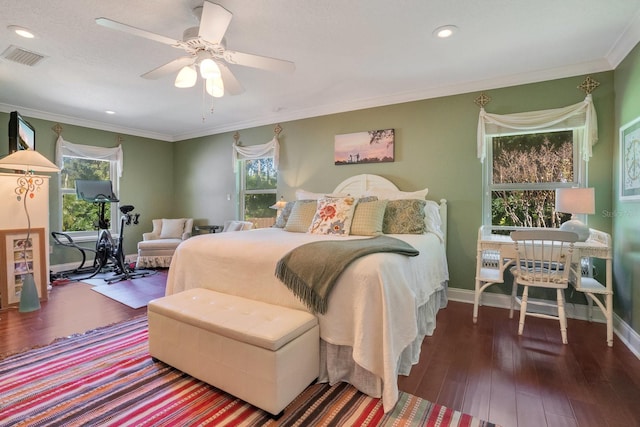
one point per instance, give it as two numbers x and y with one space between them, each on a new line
630 161
374 146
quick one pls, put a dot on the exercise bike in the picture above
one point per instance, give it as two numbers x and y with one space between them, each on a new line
109 253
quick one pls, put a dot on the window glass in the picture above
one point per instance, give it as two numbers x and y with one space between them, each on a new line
524 171
79 216
259 183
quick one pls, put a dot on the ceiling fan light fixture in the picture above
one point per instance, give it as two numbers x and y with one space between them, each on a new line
215 87
209 69
186 77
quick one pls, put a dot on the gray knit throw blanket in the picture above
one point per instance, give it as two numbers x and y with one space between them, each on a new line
311 270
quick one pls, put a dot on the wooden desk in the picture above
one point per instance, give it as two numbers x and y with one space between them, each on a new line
495 253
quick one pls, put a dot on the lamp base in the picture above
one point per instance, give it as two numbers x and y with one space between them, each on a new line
29 300
578 227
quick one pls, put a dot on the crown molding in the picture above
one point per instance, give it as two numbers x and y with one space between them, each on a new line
323 110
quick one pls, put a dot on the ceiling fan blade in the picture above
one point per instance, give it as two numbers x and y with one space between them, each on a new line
169 68
115 25
257 61
231 85
214 22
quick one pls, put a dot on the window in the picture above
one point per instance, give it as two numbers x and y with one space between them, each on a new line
521 176
79 218
258 186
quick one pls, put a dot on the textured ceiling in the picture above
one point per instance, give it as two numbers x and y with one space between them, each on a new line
348 55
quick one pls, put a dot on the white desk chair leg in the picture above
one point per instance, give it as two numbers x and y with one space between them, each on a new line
523 309
514 295
562 315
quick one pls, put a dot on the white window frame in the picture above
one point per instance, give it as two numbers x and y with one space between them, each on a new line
242 191
88 235
580 178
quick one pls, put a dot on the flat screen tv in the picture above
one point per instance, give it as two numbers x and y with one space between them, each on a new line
22 136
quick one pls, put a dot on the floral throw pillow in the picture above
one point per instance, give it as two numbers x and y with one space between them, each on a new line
333 216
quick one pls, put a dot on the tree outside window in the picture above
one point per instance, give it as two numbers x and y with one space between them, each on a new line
525 170
259 183
78 216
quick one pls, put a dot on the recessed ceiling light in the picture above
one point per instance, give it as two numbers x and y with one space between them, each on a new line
445 31
21 31
110 112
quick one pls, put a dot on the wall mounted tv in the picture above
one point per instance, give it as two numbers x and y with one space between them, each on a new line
22 136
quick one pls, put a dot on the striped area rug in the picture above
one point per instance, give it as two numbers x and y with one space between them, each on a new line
106 377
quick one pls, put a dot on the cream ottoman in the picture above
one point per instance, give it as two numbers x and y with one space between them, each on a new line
262 353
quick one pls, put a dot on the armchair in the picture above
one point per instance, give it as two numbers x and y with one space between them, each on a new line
158 246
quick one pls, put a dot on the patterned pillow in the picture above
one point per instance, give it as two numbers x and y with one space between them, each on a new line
404 217
281 221
368 218
301 216
333 216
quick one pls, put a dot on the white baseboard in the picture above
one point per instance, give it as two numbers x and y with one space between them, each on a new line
625 333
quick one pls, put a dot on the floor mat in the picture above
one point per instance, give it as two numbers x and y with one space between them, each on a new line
133 293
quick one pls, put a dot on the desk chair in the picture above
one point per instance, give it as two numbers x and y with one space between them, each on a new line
543 260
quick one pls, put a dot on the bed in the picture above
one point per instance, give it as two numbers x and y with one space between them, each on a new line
380 308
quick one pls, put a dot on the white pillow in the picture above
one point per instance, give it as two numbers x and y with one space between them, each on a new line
172 228
432 219
308 195
387 194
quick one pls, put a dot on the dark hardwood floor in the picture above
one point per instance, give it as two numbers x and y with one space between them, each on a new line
486 370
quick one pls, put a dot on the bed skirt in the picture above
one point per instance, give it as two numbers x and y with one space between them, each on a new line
337 364
153 261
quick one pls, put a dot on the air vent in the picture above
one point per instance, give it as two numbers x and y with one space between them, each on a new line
21 56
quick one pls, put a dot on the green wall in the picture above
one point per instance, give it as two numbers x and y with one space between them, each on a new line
146 183
435 148
626 214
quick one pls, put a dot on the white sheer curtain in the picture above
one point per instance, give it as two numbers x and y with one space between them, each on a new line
581 116
269 149
66 148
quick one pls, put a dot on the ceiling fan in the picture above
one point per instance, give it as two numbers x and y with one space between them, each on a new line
206 50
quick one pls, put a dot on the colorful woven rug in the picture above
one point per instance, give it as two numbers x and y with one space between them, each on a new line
106 377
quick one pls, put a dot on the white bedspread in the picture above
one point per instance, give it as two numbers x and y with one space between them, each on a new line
373 306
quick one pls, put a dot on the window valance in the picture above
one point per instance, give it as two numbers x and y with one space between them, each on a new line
580 115
269 149
66 148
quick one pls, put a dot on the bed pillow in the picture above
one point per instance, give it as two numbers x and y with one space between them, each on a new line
368 218
281 221
333 216
385 193
301 216
308 195
404 217
172 228
432 220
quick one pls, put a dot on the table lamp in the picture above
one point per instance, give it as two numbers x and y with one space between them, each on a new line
576 201
28 161
279 205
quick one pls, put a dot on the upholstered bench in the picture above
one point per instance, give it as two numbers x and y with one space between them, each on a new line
262 353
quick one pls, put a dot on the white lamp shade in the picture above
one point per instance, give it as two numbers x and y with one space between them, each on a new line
280 204
186 77
215 87
576 200
209 69
28 160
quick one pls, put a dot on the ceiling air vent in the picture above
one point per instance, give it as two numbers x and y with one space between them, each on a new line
21 56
